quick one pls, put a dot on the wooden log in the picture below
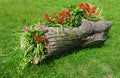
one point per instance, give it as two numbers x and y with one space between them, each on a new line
87 34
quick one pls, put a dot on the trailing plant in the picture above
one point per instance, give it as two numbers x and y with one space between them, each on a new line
34 44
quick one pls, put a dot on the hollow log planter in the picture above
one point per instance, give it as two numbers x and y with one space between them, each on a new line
87 34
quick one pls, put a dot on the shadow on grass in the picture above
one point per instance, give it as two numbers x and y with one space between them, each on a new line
75 50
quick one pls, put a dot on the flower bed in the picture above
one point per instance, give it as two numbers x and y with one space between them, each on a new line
79 26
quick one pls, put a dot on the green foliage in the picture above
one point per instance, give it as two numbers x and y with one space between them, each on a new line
77 15
62 19
72 16
67 18
34 43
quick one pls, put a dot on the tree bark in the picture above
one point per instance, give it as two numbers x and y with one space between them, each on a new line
87 34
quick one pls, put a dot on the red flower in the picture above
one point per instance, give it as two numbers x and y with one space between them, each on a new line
88 9
87 6
84 10
61 20
93 9
81 5
62 13
37 38
68 12
46 17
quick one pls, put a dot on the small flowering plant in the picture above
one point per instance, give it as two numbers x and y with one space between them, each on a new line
62 19
73 15
35 44
90 12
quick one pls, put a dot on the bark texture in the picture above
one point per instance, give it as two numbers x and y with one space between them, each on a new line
87 34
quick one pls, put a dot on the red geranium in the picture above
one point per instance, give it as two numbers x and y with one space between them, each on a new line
61 20
37 38
81 5
46 17
93 9
88 9
87 6
64 13
61 13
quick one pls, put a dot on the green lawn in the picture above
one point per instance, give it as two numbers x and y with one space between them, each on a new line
96 62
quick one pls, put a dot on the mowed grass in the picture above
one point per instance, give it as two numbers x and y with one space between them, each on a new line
93 62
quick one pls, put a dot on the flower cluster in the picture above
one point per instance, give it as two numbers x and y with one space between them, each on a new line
35 43
64 15
40 39
90 11
58 19
72 16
